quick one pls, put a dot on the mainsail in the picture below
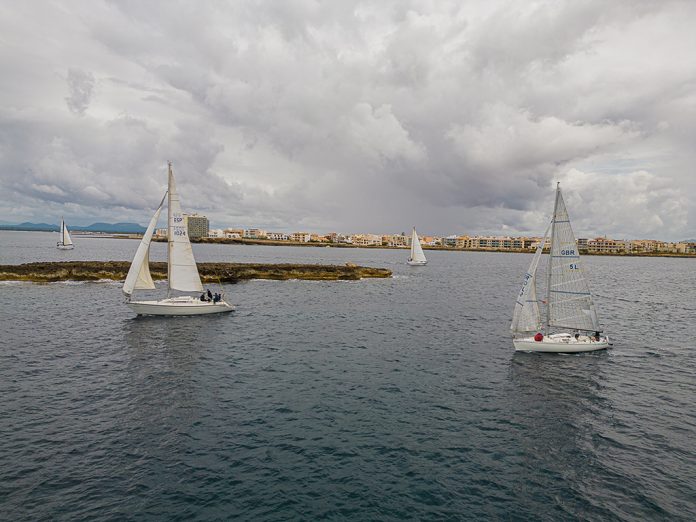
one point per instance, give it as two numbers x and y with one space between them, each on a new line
570 303
416 249
64 234
139 277
183 274
526 317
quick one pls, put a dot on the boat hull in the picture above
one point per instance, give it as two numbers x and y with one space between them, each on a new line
416 263
65 247
560 344
179 306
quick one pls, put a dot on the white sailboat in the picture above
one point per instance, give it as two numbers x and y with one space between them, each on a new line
181 267
65 242
570 311
417 257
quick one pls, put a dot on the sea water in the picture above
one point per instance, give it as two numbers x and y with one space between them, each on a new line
381 399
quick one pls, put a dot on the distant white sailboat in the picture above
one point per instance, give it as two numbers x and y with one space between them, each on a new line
181 267
65 242
569 305
417 257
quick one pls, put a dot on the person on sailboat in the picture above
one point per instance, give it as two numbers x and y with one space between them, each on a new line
210 295
203 298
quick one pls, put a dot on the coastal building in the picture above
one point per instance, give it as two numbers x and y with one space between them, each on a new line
396 240
277 236
604 245
216 233
449 241
197 225
300 237
255 233
161 232
367 240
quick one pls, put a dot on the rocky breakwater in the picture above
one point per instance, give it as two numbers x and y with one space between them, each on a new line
210 272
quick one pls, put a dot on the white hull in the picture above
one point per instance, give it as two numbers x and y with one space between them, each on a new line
65 247
185 305
561 343
417 263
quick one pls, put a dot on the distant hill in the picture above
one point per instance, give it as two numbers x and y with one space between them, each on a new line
122 228
114 228
31 226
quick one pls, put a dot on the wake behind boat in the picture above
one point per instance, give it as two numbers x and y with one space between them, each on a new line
182 273
570 311
417 257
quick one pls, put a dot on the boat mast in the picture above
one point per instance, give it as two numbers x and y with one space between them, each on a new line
550 265
170 243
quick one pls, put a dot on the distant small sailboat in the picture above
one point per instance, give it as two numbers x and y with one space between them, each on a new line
181 267
417 257
65 242
569 305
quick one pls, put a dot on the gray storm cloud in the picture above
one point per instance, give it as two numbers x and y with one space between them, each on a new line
80 85
354 116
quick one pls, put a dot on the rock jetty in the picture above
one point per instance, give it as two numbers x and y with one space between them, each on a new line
210 272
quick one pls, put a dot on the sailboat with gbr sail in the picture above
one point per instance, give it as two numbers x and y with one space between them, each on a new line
182 273
569 304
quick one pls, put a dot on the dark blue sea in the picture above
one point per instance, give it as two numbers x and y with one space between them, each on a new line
395 399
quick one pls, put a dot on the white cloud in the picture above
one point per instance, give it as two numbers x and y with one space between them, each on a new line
351 115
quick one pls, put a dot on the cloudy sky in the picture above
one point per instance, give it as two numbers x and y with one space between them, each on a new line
353 116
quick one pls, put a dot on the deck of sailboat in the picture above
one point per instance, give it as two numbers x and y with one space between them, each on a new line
180 305
560 343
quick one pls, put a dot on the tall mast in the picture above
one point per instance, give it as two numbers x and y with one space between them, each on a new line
170 243
550 265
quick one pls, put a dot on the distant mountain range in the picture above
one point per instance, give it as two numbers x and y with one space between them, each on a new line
114 228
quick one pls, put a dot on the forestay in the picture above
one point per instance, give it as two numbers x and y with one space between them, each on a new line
569 300
183 274
526 317
139 277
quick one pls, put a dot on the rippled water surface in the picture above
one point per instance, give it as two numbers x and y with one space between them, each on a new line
370 400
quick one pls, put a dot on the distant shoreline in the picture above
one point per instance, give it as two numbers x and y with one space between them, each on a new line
266 242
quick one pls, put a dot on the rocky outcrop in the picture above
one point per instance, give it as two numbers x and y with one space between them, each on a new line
210 272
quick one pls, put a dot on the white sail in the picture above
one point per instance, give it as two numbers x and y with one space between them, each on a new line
417 254
526 317
570 303
64 234
183 273
139 277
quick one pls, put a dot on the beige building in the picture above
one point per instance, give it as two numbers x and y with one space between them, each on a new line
300 237
367 240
